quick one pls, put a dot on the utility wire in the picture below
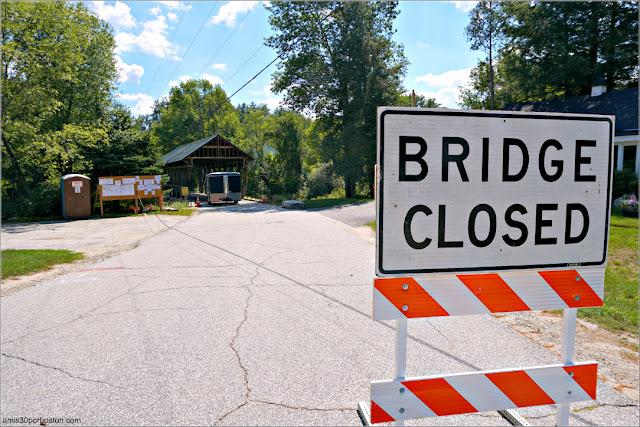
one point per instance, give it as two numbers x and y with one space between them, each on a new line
192 41
170 41
242 66
223 43
268 65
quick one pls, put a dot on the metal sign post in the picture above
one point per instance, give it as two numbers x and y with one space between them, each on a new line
488 212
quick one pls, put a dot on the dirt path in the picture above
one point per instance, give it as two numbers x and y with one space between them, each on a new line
616 353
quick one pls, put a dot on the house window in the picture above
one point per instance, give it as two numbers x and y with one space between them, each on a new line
629 161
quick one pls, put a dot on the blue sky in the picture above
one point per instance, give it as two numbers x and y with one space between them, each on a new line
160 43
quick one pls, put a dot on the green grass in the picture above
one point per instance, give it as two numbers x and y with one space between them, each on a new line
620 309
19 262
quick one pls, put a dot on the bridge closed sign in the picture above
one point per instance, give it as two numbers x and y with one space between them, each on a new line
462 191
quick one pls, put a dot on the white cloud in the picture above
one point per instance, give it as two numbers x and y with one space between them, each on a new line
176 58
182 79
143 102
464 6
129 73
152 40
155 10
230 11
425 45
174 5
172 16
265 91
453 78
214 80
272 103
445 86
447 97
220 67
118 15
270 100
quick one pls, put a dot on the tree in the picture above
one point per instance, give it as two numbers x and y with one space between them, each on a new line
565 46
558 49
58 111
338 61
194 110
58 73
421 101
485 33
286 135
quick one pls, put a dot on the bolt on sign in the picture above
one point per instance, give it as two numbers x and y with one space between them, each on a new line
485 212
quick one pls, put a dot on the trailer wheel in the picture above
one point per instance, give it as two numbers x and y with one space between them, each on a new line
235 202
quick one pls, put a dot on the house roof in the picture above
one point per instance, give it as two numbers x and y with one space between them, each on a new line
183 151
620 103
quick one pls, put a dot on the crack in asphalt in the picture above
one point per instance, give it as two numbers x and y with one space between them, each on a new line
189 287
302 408
82 316
337 301
145 310
60 370
232 344
437 330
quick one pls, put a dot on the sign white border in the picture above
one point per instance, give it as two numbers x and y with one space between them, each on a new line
385 111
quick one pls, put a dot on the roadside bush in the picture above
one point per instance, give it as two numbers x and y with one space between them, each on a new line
47 199
321 181
624 182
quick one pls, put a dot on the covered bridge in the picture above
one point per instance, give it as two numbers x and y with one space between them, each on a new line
188 165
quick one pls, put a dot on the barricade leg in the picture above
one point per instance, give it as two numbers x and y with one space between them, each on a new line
568 346
401 353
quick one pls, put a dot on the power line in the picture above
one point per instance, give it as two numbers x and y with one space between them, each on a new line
170 41
192 41
215 110
242 66
270 63
224 42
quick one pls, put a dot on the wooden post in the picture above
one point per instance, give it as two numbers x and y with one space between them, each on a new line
93 208
136 200
413 98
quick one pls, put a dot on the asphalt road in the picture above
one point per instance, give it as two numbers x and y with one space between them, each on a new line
355 215
242 315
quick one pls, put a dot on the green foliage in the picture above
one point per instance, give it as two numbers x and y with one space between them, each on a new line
624 182
339 62
321 181
421 101
558 49
58 111
194 110
485 32
286 135
26 261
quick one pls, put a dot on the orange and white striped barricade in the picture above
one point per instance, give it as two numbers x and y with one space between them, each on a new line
481 212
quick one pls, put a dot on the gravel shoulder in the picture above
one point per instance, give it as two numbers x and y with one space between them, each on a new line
616 354
97 239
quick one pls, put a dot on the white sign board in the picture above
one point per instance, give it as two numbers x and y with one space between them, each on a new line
464 191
